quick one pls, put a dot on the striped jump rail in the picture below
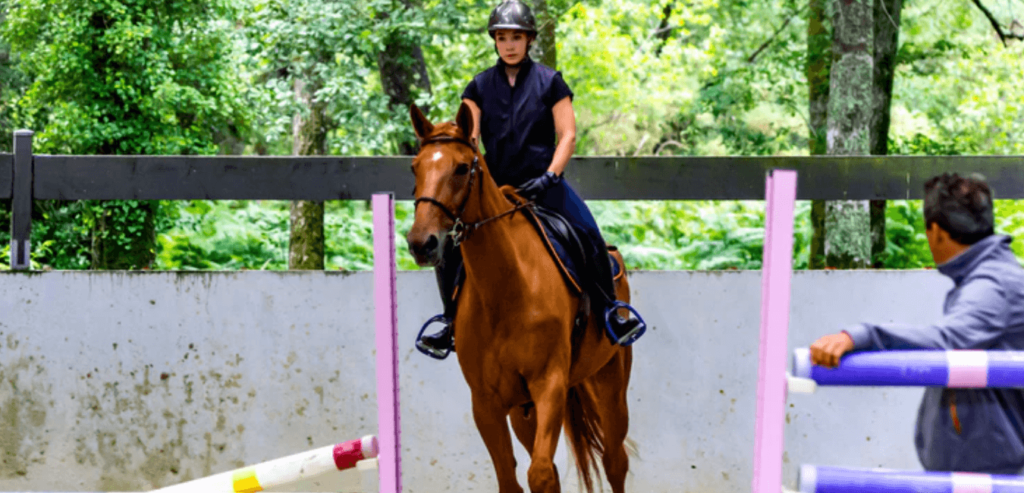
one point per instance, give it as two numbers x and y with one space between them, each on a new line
286 470
914 368
821 479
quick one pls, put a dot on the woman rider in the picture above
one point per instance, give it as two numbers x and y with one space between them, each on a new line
518 108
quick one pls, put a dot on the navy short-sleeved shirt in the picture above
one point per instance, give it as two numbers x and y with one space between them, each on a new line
517 128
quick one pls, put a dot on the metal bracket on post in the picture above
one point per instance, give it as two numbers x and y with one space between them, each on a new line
21 202
797 385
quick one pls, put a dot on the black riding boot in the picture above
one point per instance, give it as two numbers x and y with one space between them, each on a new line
440 344
624 331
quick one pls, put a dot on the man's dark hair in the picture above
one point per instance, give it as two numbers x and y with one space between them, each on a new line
960 206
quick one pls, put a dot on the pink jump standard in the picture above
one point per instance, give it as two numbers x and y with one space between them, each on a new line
776 271
385 306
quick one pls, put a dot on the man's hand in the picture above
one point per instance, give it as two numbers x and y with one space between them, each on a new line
829 349
535 186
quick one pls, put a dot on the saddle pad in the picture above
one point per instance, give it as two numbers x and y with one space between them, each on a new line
564 245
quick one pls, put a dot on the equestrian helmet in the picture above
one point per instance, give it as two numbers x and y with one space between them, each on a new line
512 14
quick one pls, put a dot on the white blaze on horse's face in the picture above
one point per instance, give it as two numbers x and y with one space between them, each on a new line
441 175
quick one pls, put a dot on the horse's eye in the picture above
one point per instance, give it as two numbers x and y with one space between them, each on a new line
462 169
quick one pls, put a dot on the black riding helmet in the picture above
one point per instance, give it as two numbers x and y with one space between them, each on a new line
512 14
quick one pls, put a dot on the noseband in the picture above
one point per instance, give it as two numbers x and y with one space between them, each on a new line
461 229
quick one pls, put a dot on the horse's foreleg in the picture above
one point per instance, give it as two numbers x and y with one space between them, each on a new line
549 395
524 424
490 420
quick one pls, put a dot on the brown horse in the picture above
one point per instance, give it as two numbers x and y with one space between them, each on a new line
517 342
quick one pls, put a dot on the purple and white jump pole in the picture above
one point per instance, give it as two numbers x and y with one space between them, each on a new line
819 479
918 368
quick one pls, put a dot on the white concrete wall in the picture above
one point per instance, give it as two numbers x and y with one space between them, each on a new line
131 381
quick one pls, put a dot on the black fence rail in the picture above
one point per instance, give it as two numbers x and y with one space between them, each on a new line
25 177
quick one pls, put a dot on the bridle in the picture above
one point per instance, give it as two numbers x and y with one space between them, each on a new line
461 230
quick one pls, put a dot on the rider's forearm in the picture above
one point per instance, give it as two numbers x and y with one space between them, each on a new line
564 151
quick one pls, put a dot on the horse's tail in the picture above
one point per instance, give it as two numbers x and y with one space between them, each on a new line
584 433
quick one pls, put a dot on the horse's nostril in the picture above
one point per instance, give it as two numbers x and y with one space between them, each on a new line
427 247
431 244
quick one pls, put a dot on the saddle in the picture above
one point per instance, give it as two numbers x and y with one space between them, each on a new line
565 246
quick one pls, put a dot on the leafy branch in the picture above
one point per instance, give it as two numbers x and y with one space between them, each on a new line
778 31
995 25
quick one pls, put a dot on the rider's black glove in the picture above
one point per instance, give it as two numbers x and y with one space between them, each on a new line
535 186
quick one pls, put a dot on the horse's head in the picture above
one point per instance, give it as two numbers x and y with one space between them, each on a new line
447 170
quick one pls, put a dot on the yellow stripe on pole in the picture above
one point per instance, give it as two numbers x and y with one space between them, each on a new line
244 481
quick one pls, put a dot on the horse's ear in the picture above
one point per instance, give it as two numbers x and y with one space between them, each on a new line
420 124
464 119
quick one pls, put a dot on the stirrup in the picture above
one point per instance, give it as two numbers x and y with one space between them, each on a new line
630 337
426 348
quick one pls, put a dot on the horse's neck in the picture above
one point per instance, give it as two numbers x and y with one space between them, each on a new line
492 253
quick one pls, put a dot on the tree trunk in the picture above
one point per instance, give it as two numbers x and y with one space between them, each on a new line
399 76
850 108
887 31
664 32
544 48
306 241
123 236
819 65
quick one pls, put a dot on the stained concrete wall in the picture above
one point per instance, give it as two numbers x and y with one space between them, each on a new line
131 381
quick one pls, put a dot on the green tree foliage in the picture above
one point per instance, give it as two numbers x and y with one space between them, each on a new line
120 77
124 77
335 45
13 81
704 77
230 235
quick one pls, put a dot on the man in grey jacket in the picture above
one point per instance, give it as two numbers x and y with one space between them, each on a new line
970 430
